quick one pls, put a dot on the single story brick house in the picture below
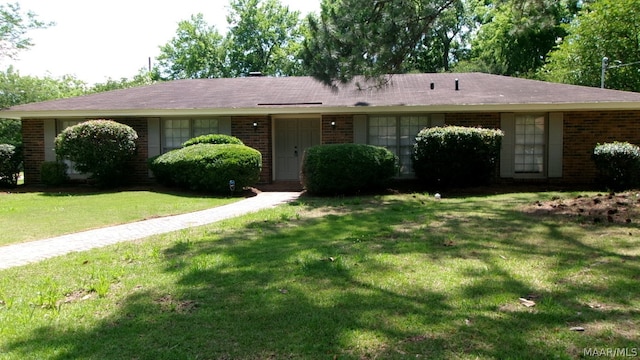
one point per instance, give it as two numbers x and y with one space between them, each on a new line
550 129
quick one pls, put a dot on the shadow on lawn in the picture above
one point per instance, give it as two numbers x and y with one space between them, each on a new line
89 190
327 287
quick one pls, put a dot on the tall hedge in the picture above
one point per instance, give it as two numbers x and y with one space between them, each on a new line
100 148
618 165
10 165
347 168
456 155
208 167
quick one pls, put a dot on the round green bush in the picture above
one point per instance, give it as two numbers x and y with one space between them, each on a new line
347 168
10 165
456 155
618 165
208 167
216 139
100 148
53 173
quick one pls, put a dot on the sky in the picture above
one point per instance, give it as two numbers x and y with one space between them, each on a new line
98 40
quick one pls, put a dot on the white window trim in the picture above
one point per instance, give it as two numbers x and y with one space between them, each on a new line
224 127
434 119
554 125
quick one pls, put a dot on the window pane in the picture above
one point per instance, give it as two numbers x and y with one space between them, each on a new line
176 132
530 144
382 131
205 127
410 126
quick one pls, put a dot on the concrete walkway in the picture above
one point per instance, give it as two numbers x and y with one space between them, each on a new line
33 251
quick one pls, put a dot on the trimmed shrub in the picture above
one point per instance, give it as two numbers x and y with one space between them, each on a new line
618 165
10 165
100 148
456 156
208 167
53 173
347 168
216 139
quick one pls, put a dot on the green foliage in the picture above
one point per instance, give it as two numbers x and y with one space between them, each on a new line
347 168
99 147
215 139
10 164
515 36
197 51
16 89
605 28
53 173
264 36
10 132
358 37
14 25
618 164
456 156
208 167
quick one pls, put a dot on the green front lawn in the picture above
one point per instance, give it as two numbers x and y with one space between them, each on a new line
385 277
38 215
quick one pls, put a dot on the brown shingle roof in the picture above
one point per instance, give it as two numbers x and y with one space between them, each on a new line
268 94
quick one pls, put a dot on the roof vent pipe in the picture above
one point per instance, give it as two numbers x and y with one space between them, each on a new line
457 85
433 86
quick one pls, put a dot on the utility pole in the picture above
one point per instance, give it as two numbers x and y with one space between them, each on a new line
605 63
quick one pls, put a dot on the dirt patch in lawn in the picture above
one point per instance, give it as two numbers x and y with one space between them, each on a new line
600 208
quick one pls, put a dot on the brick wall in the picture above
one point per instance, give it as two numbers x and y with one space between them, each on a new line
258 137
485 120
33 141
140 169
584 130
341 133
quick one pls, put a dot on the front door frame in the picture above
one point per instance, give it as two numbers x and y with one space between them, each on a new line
317 118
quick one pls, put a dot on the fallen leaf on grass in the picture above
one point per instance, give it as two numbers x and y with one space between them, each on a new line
577 328
527 303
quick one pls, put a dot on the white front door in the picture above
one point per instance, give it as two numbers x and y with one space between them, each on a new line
293 137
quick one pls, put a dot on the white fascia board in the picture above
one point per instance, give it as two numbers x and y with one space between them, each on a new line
283 110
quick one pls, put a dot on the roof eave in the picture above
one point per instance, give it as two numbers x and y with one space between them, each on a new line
274 110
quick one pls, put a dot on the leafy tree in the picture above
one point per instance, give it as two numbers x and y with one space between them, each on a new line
360 37
16 89
515 36
144 77
447 42
605 28
197 51
14 25
265 37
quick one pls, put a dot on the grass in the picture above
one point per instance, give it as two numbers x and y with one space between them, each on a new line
382 277
38 215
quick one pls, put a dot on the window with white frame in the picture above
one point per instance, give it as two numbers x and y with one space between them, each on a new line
177 131
530 144
398 134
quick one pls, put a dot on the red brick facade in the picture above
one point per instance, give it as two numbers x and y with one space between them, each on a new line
485 120
582 131
340 132
33 141
258 137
